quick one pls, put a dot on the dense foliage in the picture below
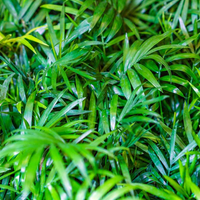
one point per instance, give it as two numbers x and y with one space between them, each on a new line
99 99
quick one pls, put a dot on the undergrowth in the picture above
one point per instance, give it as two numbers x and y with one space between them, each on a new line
99 99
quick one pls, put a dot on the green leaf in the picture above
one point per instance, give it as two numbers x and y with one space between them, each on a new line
11 7
139 119
60 168
27 44
102 190
187 123
71 57
177 14
118 39
146 73
69 10
183 68
52 36
189 147
24 8
32 38
160 60
132 26
53 192
168 46
172 143
159 154
173 89
32 167
135 80
176 186
148 44
195 89
83 27
81 73
62 29
126 87
28 113
156 162
64 75
105 121
113 111
129 60
185 10
98 12
32 10
48 110
6 187
174 79
62 112
166 7
115 27
164 194
182 56
5 87
128 106
92 114
107 19
76 158
86 4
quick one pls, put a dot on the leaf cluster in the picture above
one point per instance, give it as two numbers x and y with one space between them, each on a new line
99 100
